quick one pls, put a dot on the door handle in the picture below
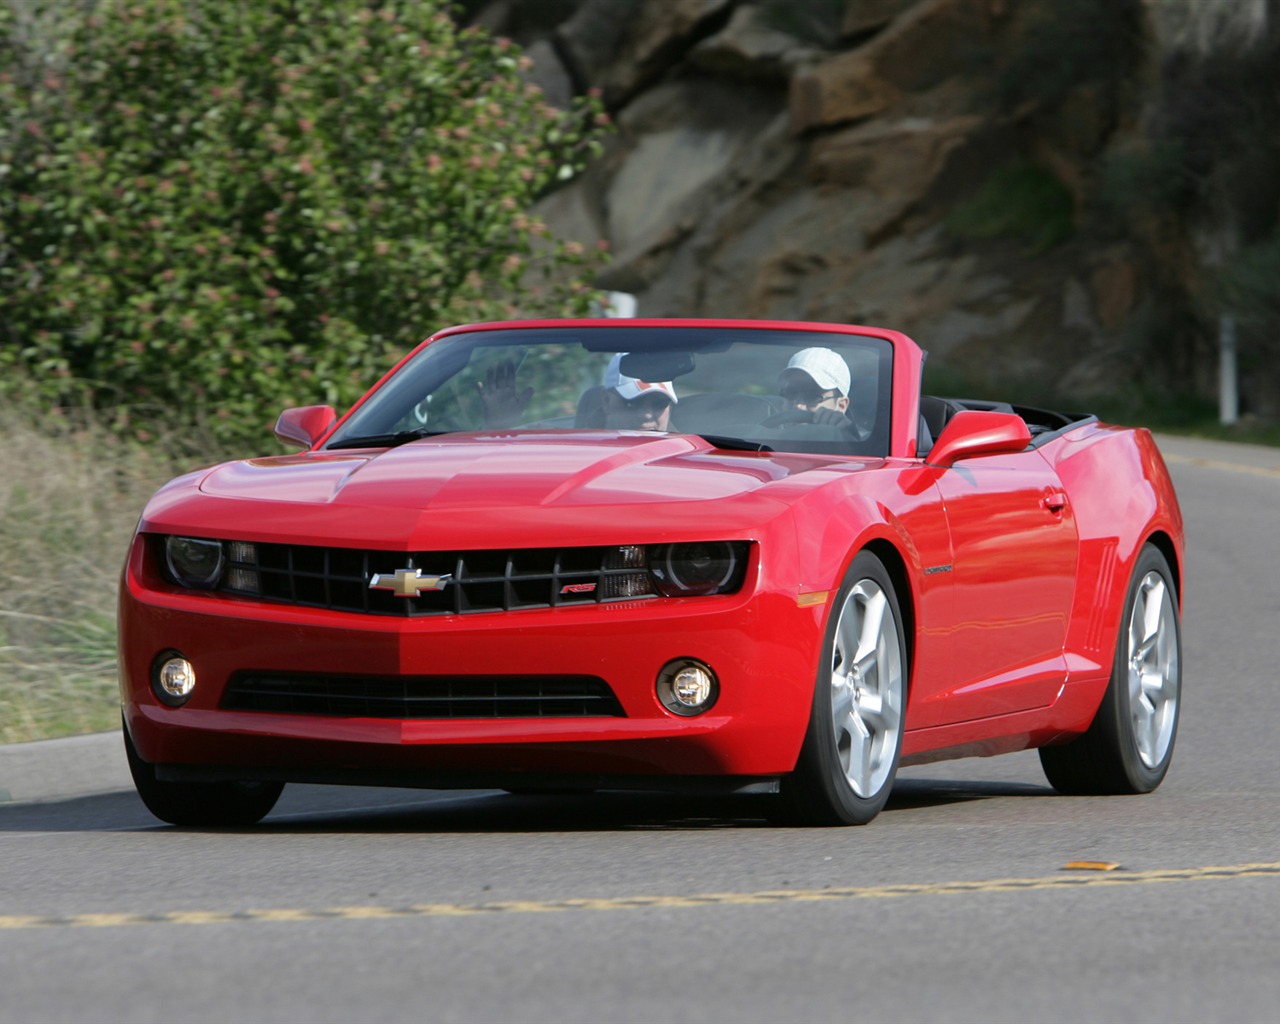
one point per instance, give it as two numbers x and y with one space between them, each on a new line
1054 501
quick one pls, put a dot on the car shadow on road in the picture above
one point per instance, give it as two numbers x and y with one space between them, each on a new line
913 794
326 810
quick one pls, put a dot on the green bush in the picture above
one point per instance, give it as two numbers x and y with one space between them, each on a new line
1018 201
211 209
1247 287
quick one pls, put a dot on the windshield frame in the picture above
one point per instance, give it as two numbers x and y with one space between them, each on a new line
445 357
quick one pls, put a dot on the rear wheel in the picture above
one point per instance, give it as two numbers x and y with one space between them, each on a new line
851 749
200 803
1129 745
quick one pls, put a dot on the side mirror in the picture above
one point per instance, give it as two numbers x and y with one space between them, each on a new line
975 432
302 428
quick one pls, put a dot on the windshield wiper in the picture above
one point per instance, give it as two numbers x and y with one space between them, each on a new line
386 440
735 444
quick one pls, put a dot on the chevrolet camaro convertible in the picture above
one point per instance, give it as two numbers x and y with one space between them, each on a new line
733 556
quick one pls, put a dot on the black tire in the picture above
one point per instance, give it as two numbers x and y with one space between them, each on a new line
200 803
1129 744
859 703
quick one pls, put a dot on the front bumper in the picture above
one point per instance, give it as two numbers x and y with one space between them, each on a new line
761 644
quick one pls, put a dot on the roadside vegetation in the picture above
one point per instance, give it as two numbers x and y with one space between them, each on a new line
70 493
210 211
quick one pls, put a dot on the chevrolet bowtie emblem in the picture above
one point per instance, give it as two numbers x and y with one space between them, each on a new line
408 582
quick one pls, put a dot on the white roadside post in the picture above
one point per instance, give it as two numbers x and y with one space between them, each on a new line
1228 389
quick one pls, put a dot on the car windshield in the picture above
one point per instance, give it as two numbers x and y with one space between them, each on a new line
741 388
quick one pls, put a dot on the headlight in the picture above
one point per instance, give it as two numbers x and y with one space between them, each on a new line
703 567
194 562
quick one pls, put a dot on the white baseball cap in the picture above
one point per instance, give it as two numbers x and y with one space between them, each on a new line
827 369
630 387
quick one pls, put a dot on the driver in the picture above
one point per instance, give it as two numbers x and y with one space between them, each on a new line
815 388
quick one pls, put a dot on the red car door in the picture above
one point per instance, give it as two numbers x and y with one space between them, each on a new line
1013 565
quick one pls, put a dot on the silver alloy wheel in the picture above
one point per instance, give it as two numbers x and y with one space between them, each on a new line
866 688
1154 675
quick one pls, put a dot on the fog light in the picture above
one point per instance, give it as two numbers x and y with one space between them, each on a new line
687 687
174 679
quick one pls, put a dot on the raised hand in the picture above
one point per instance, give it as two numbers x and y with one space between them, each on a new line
503 405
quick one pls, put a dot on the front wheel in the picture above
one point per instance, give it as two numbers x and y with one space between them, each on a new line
200 803
1129 744
854 740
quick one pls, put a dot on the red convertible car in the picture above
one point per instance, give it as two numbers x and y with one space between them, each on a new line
743 556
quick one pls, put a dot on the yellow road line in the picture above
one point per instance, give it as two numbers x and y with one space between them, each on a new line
1088 880
1234 467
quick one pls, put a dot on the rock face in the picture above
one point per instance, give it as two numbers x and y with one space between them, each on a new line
815 159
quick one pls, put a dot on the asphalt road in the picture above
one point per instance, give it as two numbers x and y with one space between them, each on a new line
955 905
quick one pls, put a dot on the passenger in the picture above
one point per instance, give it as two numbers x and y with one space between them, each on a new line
621 403
632 404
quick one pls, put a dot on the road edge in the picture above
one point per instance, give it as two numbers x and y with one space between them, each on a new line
63 769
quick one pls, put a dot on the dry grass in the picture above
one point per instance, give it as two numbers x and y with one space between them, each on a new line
70 495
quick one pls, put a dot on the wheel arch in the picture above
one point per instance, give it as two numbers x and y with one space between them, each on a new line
896 566
1164 543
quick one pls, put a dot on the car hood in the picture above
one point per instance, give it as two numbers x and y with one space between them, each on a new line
463 490
470 472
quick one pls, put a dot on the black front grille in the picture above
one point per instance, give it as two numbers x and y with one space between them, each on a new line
471 581
422 697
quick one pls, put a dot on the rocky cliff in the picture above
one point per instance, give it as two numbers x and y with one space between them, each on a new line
955 169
